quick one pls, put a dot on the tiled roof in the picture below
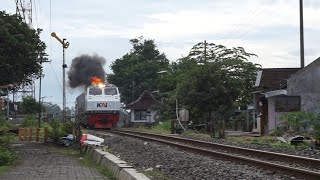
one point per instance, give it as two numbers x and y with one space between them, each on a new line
145 101
275 78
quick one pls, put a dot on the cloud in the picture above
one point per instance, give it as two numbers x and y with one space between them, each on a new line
268 28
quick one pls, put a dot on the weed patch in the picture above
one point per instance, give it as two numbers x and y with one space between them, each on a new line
3 169
156 173
87 161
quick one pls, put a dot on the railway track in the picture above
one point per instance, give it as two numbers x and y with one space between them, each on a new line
303 167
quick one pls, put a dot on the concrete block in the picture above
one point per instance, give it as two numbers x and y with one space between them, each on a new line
120 169
90 150
96 156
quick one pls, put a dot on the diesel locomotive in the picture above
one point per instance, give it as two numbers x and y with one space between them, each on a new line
98 107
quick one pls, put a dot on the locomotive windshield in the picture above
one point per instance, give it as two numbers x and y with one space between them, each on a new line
110 91
95 91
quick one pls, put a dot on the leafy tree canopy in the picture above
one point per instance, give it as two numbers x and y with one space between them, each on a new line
233 62
214 80
138 70
20 51
30 105
52 108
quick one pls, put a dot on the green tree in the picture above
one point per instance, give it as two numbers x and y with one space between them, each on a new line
21 51
137 70
214 80
30 105
234 60
52 108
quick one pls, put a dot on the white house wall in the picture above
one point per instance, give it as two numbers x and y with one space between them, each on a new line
271 114
274 118
152 116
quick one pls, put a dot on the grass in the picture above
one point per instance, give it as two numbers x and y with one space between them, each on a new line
265 140
3 169
156 173
87 161
164 128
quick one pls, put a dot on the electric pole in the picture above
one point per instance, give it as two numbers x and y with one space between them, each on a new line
205 51
40 104
301 35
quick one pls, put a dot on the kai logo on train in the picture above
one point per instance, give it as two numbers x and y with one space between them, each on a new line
102 104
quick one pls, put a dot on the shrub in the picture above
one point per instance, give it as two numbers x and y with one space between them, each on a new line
6 156
57 129
30 121
302 122
4 124
67 127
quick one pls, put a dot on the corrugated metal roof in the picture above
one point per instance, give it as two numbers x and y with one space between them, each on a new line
275 78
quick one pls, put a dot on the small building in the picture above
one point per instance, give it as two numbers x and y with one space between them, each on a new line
283 90
144 109
270 98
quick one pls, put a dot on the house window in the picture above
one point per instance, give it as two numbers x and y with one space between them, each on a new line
140 114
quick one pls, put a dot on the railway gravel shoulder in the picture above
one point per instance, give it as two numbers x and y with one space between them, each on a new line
177 164
294 151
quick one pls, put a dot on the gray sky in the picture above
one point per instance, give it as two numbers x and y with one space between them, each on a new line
268 28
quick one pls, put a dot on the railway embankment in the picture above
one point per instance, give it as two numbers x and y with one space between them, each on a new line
119 168
160 161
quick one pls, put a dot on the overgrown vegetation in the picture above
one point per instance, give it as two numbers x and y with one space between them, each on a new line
30 121
7 153
303 123
87 161
57 129
161 128
156 173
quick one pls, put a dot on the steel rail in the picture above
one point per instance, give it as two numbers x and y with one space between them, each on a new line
235 149
189 145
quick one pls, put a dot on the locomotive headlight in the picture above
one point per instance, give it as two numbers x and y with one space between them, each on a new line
101 85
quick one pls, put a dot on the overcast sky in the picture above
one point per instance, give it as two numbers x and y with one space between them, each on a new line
268 28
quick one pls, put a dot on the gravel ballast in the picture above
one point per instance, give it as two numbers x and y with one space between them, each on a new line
266 147
174 163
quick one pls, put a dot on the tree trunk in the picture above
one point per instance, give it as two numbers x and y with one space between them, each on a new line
211 125
222 127
205 123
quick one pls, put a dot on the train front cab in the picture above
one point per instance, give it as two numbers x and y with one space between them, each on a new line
102 121
105 116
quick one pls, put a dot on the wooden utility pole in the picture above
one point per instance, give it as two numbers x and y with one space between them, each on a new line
301 35
40 104
205 51
133 89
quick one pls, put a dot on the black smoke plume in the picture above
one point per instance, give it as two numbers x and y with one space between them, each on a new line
83 68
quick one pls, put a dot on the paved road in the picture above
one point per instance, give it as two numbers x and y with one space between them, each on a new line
40 161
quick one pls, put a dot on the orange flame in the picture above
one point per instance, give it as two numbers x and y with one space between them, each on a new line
96 81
